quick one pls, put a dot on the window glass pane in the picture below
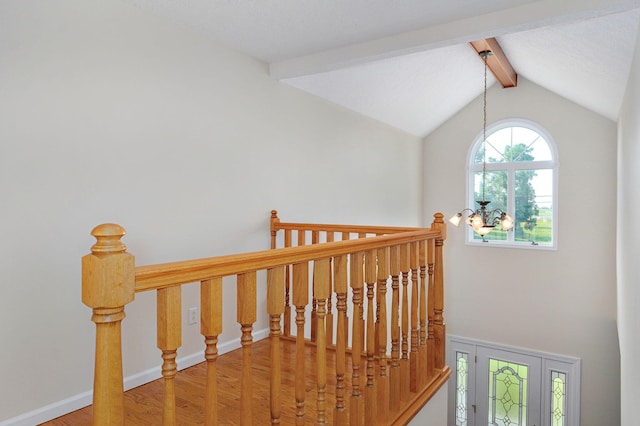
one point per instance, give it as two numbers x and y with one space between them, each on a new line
496 146
462 374
528 145
507 393
558 399
534 206
519 152
495 190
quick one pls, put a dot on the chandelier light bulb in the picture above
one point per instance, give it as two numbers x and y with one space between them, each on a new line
455 219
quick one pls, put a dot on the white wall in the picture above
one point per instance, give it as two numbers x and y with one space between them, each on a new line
560 301
435 412
629 244
110 114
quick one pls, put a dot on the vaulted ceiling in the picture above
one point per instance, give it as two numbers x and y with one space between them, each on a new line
408 62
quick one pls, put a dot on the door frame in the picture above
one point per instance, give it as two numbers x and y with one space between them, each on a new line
567 365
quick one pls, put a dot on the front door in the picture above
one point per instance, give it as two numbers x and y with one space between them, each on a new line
497 385
507 388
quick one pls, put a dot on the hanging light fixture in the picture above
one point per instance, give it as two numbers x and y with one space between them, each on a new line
483 220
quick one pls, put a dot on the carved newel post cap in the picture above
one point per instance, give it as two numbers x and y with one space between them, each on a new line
108 272
108 236
439 224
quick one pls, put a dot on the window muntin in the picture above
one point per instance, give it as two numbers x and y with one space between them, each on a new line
521 179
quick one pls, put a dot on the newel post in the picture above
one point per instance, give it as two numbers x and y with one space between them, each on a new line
108 284
439 327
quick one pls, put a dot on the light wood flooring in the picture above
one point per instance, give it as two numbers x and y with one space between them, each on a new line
143 405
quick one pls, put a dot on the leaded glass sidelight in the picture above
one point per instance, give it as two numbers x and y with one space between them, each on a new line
462 383
558 398
507 393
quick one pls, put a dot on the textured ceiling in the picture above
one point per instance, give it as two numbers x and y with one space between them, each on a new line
587 62
274 30
407 63
415 92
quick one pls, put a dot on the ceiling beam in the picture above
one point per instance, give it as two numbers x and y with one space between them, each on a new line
497 63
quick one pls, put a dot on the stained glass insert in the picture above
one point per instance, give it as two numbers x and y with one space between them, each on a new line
558 398
462 376
507 393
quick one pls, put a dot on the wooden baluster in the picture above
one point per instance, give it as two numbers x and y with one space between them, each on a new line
376 354
405 376
356 403
210 328
246 316
300 300
340 281
329 317
314 302
321 292
422 341
413 358
108 284
345 237
370 411
430 309
169 340
275 221
394 371
275 293
383 379
363 337
439 327
287 304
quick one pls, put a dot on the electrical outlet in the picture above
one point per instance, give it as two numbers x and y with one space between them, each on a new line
192 315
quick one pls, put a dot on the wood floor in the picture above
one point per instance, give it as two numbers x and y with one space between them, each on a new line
143 405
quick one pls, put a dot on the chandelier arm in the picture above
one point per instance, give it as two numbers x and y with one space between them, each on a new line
466 210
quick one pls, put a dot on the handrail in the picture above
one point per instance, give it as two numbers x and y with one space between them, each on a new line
153 277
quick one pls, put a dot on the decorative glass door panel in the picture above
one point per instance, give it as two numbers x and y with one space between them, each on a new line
512 384
507 393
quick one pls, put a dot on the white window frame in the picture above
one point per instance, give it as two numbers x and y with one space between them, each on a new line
571 366
511 168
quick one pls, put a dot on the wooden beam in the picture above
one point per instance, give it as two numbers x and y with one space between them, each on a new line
497 63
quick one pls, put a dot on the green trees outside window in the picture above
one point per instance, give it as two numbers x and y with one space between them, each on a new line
519 178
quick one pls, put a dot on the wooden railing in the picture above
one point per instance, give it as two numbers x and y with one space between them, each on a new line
396 349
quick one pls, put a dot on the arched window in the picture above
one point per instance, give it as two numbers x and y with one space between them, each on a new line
520 170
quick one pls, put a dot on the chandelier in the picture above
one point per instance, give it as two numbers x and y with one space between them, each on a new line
483 220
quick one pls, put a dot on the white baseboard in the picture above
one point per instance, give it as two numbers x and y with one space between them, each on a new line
81 400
